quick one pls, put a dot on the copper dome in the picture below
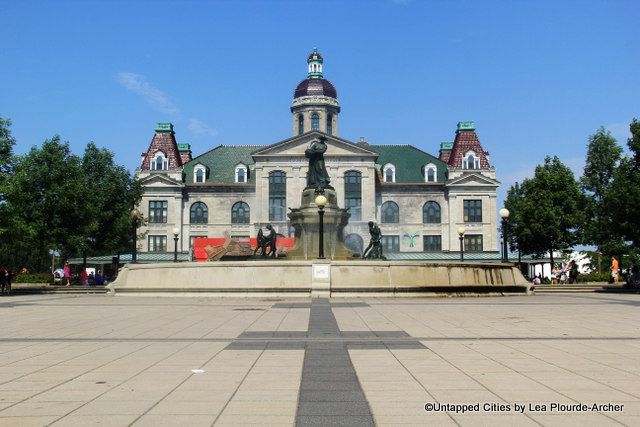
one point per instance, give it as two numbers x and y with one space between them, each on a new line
315 87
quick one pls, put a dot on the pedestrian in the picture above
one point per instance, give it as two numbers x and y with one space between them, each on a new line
3 280
614 269
554 275
573 273
9 279
83 277
99 280
67 273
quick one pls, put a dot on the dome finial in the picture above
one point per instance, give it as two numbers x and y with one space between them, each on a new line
314 65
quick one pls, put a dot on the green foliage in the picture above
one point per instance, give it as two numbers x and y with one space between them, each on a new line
622 199
603 157
6 147
55 199
32 278
595 277
547 209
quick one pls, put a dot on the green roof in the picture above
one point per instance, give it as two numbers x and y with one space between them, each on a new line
184 147
408 161
221 163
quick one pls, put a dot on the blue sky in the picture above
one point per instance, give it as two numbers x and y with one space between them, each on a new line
537 77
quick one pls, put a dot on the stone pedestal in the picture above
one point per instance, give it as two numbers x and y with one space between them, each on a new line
305 222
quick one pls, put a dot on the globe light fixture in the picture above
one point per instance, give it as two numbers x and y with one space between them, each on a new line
176 232
504 214
461 231
321 202
135 221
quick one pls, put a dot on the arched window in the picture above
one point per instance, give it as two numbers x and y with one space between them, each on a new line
199 213
159 162
300 124
390 213
277 195
431 213
199 173
241 173
430 172
353 194
240 213
354 242
315 121
471 161
330 124
389 172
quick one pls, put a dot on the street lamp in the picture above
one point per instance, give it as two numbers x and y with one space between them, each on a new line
135 218
321 202
461 231
504 214
176 232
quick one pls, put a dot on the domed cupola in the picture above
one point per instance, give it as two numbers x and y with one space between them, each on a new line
315 101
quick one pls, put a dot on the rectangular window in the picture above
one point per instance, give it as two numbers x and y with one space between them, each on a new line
390 244
157 243
473 243
432 243
353 194
473 211
158 211
277 206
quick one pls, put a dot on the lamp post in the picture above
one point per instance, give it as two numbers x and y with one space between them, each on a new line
176 232
461 231
321 202
135 218
504 214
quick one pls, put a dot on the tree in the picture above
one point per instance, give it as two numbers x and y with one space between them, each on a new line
6 148
6 160
603 157
546 209
622 200
46 195
514 221
113 193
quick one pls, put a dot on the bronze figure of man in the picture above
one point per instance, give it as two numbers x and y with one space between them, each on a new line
317 176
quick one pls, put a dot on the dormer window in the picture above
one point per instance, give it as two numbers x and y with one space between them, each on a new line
241 173
199 173
430 173
389 173
160 162
471 161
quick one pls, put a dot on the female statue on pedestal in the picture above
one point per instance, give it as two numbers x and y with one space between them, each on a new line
317 177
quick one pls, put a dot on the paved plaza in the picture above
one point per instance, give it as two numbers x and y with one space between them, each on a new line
553 360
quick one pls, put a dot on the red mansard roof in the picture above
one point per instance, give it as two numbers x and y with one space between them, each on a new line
164 140
467 140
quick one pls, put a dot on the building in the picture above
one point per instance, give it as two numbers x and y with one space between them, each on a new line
419 200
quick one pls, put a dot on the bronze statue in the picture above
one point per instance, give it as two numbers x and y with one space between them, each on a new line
317 177
374 250
267 241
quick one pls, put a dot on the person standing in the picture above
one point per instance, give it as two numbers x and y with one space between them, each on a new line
83 277
3 280
614 269
67 273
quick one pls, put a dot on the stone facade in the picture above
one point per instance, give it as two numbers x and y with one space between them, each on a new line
398 185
